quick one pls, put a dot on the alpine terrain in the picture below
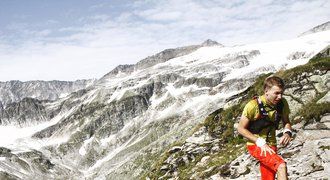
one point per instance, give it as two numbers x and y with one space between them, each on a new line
169 116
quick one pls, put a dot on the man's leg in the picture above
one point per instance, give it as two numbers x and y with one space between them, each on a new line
281 172
271 161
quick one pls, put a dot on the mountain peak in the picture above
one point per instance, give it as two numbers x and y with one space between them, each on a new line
210 42
322 27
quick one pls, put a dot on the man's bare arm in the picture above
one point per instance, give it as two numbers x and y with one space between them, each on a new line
286 123
286 138
242 129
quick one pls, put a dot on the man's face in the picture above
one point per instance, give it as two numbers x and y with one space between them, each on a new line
274 95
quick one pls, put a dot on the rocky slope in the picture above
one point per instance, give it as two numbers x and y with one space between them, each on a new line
118 127
211 150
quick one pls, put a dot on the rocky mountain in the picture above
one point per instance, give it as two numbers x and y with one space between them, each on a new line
120 126
24 103
319 28
15 91
159 58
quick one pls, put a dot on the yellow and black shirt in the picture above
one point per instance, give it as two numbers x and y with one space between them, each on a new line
251 111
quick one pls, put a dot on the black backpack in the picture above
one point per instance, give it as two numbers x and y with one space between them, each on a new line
263 121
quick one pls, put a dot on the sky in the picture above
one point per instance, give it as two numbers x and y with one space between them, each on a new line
85 39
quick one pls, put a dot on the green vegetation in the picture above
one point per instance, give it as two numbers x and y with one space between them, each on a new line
317 63
325 148
315 110
212 122
224 156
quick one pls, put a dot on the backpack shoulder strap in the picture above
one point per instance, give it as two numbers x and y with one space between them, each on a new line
261 107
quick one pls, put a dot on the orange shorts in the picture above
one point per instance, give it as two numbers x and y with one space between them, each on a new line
268 163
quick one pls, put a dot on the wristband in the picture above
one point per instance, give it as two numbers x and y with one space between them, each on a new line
260 142
287 131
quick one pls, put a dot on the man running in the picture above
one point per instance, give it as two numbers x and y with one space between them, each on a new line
260 119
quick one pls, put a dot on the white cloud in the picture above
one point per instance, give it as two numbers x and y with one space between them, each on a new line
147 27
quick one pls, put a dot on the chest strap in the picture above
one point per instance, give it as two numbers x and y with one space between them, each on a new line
263 120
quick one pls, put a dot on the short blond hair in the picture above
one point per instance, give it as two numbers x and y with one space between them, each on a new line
273 81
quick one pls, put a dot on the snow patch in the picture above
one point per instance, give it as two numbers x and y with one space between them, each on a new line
111 139
82 150
9 138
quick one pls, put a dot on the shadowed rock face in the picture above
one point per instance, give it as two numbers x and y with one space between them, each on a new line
112 115
31 111
27 111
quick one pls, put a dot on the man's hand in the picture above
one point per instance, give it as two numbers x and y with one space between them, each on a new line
264 149
285 139
260 142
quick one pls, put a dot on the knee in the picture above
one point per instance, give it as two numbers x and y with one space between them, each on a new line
282 167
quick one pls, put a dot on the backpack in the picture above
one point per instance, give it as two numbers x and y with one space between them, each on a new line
262 120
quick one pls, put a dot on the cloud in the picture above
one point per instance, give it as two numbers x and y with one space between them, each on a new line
125 35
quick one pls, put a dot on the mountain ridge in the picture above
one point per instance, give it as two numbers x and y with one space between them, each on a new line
160 57
322 27
14 91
